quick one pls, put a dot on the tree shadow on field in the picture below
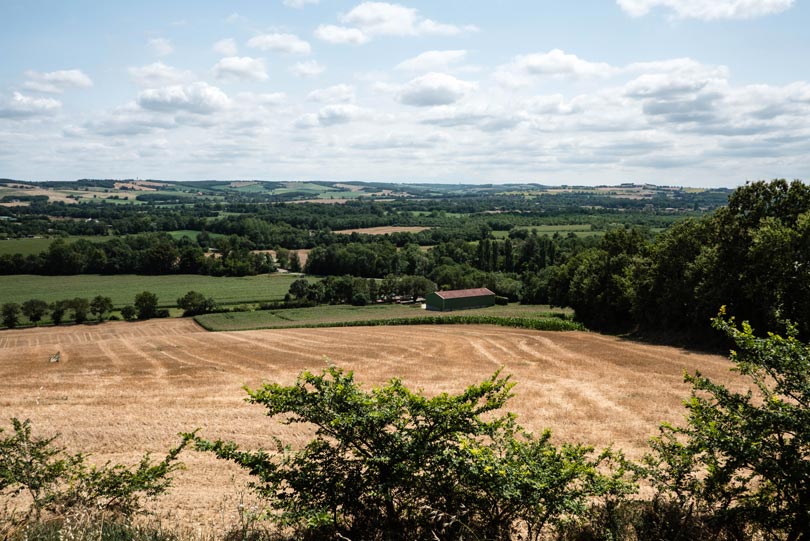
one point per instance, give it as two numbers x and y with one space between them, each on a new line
709 343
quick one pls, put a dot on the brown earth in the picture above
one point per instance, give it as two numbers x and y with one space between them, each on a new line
136 185
303 254
122 389
53 195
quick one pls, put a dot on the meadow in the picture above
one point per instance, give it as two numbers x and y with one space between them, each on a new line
123 288
342 314
37 245
581 230
32 246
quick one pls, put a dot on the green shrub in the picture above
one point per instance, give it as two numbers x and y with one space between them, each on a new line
742 460
53 484
146 303
10 314
129 312
195 303
390 464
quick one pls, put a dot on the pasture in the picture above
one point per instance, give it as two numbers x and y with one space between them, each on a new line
580 230
123 288
37 245
342 313
125 388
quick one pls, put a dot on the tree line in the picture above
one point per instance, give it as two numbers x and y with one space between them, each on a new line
148 253
752 255
78 310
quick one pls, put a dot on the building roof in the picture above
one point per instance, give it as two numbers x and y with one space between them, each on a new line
463 293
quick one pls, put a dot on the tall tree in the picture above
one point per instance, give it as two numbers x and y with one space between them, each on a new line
100 306
10 313
146 304
34 310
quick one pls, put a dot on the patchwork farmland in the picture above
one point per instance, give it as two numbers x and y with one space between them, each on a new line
121 389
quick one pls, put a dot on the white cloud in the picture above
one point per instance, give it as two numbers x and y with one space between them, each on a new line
298 4
432 61
340 114
382 18
672 77
385 19
370 19
161 46
310 68
306 121
280 43
487 119
434 89
559 64
340 34
406 141
240 67
199 97
426 26
158 74
56 82
129 119
225 47
550 104
22 106
270 99
707 10
334 94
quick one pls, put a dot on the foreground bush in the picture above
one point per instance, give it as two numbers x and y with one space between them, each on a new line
742 461
44 486
392 464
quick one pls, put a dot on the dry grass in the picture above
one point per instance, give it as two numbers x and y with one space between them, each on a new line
125 388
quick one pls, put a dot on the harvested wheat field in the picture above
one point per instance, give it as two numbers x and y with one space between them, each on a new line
121 389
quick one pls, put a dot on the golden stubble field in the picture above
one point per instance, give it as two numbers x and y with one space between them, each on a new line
122 389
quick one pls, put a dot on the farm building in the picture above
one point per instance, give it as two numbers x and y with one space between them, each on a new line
460 299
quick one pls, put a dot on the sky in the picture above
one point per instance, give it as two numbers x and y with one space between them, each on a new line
703 93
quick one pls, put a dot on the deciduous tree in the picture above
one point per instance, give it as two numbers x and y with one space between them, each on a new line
10 313
34 310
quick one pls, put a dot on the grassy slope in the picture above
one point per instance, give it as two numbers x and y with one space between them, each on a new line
123 288
342 314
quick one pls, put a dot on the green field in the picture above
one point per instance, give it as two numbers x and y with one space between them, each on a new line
39 245
324 315
344 194
192 234
580 230
303 187
123 288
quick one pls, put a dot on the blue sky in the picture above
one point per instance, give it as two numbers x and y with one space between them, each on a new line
687 92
